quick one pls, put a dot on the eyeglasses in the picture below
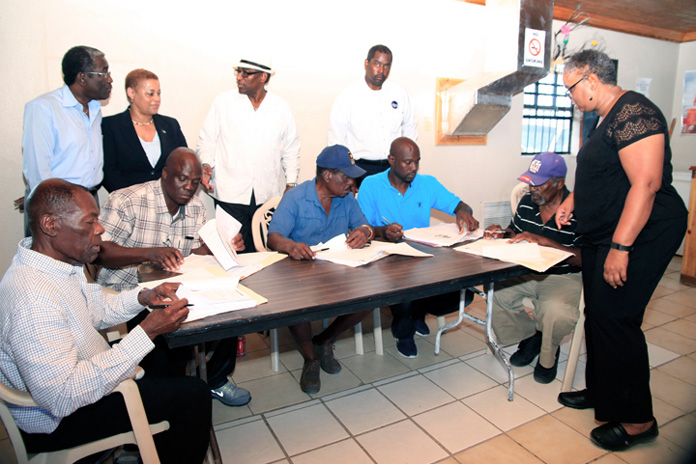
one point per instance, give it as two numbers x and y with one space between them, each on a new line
244 73
105 75
570 89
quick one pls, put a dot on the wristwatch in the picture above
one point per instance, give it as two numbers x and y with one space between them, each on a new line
291 184
619 247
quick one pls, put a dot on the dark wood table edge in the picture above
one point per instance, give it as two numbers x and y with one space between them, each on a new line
211 330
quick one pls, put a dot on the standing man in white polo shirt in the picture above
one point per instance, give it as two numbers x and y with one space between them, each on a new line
248 135
367 116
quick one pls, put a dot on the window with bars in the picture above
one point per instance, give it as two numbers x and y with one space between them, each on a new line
547 117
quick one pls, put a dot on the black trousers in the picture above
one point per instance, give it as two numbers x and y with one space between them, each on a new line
404 314
185 402
242 213
371 168
618 372
163 361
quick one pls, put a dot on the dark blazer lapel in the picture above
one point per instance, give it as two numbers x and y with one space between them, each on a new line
131 138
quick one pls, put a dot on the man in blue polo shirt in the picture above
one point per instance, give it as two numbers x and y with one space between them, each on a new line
554 293
311 213
404 199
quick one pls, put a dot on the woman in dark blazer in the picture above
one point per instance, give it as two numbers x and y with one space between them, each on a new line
138 141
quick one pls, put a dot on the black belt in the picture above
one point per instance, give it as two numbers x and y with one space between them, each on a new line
382 162
94 189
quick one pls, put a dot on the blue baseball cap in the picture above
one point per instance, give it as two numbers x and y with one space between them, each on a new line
543 167
339 157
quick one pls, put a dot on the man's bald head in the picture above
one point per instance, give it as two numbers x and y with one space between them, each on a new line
179 156
401 146
404 159
181 177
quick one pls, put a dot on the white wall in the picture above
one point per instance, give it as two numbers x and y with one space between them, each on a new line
318 47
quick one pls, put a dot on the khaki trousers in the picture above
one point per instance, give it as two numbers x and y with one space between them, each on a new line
555 299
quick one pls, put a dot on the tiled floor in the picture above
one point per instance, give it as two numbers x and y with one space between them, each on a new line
450 408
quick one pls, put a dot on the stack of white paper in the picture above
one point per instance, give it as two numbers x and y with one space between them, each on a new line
336 251
218 233
530 255
445 234
213 296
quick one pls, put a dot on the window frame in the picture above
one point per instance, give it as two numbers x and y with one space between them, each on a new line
552 129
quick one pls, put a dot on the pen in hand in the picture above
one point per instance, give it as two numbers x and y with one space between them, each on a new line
163 306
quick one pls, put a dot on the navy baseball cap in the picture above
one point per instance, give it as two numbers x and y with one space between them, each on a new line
339 157
543 167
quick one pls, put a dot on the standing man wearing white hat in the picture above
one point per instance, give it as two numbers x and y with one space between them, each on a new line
246 138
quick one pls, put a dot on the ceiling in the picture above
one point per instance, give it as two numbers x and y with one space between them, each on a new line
673 20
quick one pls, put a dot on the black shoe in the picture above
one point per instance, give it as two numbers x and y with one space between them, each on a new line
309 381
421 327
527 350
613 437
544 375
407 347
576 400
326 358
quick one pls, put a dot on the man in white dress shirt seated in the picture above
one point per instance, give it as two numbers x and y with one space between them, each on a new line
50 345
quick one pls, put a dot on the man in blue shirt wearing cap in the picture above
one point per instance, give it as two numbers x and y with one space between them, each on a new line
311 213
554 293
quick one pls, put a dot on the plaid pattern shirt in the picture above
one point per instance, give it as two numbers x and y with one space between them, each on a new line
49 343
138 217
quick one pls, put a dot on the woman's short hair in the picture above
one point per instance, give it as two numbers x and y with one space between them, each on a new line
136 76
593 62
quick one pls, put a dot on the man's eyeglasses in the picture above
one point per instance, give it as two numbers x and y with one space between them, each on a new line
244 73
105 75
570 89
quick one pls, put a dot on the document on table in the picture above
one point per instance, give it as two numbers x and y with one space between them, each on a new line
336 251
212 290
218 234
445 234
530 255
212 296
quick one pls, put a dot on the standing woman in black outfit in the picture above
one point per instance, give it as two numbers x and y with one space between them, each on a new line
631 222
138 141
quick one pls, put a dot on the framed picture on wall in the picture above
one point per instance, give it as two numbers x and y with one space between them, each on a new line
689 103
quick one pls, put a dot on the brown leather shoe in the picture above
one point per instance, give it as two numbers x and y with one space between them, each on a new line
309 381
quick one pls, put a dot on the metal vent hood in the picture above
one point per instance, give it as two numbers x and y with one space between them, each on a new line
518 53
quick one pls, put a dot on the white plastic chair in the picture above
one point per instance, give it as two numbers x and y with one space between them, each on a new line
141 434
259 230
575 345
516 195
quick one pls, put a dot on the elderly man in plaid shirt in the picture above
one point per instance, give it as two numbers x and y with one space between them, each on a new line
158 221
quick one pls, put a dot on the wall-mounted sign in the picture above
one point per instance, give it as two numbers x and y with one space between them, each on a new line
534 41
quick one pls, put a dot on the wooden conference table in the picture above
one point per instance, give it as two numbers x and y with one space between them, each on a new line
300 291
